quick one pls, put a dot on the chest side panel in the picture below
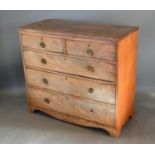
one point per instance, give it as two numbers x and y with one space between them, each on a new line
126 86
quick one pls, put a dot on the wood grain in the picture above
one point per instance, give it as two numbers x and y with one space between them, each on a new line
61 63
77 29
93 111
33 41
126 87
75 120
82 73
98 50
102 91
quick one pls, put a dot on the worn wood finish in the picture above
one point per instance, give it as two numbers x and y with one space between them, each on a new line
91 49
42 43
101 91
78 107
90 68
73 29
74 120
126 88
82 73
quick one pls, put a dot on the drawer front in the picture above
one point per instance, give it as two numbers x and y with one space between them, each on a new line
88 68
91 49
80 87
81 108
42 43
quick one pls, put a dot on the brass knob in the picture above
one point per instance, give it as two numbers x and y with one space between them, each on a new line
42 44
91 90
90 68
47 100
90 52
91 110
43 61
45 81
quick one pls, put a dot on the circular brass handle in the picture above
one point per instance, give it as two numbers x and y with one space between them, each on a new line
90 52
91 110
43 61
47 100
45 81
91 90
90 68
42 44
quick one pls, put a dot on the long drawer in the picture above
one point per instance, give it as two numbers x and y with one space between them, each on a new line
81 87
57 62
81 108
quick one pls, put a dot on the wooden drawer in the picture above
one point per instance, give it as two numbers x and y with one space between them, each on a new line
81 108
81 87
91 49
42 43
56 62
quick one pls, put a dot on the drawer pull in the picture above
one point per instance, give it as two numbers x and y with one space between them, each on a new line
43 61
90 52
47 100
42 44
91 90
90 68
92 110
45 81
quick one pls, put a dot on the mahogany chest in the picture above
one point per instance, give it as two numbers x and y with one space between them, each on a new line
82 73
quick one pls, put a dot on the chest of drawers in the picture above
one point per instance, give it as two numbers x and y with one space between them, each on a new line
82 73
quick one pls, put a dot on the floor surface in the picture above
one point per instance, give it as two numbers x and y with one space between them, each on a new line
17 125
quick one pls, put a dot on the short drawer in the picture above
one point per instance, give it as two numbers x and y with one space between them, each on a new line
80 87
91 49
57 62
42 43
81 108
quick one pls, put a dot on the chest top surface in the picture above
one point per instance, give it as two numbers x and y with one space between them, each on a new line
69 28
